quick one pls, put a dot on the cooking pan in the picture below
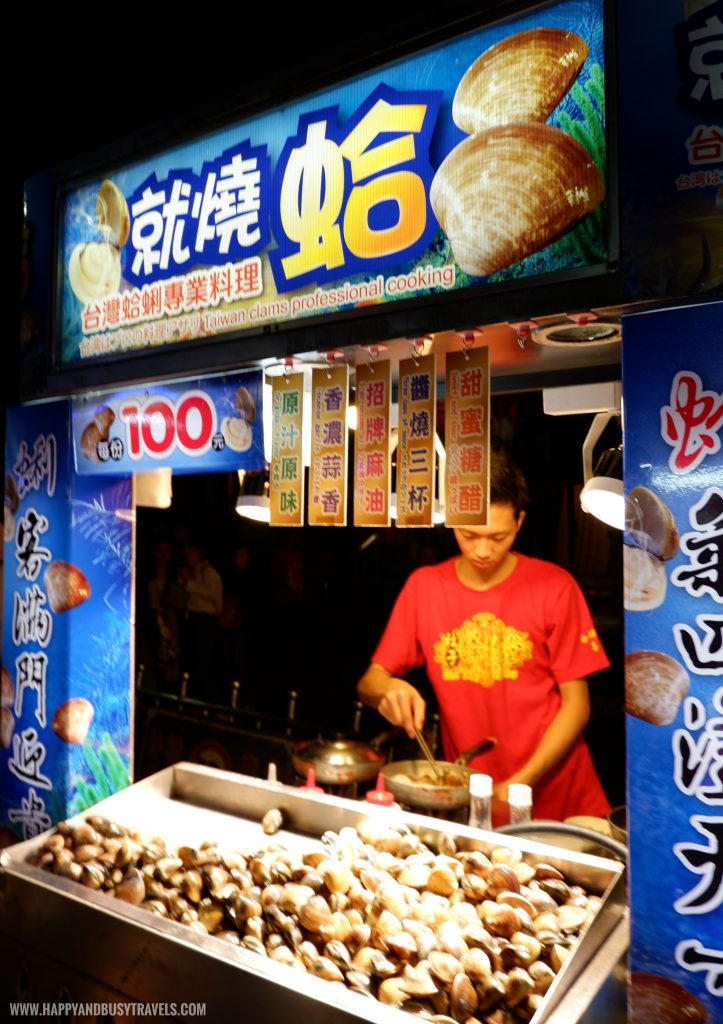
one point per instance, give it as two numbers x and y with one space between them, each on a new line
341 762
431 796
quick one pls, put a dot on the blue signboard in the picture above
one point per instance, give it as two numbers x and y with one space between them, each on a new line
65 717
480 160
212 425
673 390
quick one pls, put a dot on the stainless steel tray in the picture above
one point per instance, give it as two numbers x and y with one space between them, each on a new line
60 937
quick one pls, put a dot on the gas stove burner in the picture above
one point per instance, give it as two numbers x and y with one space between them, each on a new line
577 334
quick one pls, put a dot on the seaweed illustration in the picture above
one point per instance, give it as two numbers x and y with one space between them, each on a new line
589 131
110 535
110 660
108 771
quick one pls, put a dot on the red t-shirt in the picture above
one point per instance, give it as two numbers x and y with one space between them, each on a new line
495 658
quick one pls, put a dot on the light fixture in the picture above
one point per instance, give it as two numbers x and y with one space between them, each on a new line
253 500
602 494
153 489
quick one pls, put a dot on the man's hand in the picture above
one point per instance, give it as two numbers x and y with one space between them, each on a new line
394 698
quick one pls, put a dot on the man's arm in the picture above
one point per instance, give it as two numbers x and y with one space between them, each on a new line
559 737
394 698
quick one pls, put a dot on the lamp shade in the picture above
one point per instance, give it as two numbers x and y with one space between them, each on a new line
602 496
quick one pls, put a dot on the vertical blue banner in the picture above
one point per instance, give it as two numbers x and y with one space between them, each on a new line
673 394
65 717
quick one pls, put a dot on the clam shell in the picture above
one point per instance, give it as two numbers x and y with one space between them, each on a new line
12 497
8 524
8 690
650 524
7 727
508 192
656 998
655 685
104 418
72 719
521 78
645 580
89 442
111 213
237 433
66 586
245 404
94 271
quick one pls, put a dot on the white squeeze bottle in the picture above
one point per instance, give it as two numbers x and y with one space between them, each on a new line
519 798
480 801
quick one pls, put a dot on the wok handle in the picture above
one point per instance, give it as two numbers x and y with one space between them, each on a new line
386 737
479 748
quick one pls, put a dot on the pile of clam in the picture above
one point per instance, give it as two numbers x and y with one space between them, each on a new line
452 935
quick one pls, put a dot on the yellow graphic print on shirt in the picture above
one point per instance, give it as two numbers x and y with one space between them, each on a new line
591 638
483 650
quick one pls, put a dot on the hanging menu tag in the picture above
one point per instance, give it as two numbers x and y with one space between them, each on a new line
415 451
286 485
371 445
327 476
467 437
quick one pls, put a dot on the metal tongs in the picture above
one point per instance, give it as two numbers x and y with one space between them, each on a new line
428 754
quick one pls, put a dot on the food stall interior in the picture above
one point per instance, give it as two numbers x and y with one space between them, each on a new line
303 609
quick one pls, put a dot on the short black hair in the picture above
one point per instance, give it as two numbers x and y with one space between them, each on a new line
507 482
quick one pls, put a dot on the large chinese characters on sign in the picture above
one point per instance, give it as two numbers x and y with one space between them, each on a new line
65 715
286 478
467 428
415 449
409 181
328 470
674 658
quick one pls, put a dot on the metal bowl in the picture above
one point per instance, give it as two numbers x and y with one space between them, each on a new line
338 762
618 819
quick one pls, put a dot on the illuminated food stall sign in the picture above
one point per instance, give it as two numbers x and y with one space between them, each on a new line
474 162
212 425
371 445
286 476
467 419
673 558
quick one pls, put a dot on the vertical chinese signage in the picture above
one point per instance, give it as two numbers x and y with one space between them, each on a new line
66 628
466 419
415 451
328 472
673 556
286 485
371 451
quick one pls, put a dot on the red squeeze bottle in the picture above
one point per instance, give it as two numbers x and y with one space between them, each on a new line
381 795
310 783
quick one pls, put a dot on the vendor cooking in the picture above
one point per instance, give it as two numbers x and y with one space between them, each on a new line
507 642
